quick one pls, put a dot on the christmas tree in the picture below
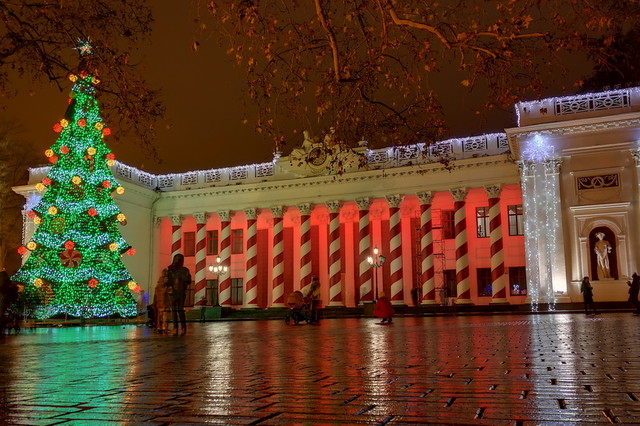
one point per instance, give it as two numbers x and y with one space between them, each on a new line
74 265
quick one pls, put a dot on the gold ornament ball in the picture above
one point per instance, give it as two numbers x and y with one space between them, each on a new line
99 126
91 151
132 285
121 217
113 247
52 210
111 163
49 153
39 186
64 122
37 220
31 245
76 180
37 282
120 190
73 77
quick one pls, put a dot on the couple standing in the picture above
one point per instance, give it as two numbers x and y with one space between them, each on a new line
170 294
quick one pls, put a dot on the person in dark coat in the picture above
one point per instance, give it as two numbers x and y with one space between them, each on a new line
179 279
587 294
383 309
634 287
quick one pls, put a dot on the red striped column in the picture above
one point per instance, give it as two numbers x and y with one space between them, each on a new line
395 250
305 247
335 255
462 248
176 235
224 281
200 288
364 247
427 276
277 295
498 271
251 275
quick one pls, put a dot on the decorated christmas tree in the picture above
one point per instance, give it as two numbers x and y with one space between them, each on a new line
74 265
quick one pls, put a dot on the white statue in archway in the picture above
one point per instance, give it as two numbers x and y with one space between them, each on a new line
602 249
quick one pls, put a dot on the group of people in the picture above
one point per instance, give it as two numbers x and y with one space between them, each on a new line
169 297
587 293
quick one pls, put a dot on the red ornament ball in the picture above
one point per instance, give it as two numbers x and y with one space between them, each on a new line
106 131
53 159
84 74
22 250
93 283
110 156
106 184
46 181
31 214
64 149
57 127
69 245
131 251
82 122
92 212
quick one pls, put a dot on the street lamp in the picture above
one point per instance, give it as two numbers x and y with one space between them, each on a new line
376 261
218 269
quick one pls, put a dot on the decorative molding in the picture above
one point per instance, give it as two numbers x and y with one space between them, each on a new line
363 203
585 183
493 191
201 217
552 166
635 153
225 215
251 213
334 206
425 197
459 194
304 208
277 211
176 220
394 200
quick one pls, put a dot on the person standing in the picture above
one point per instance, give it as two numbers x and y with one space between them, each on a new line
161 302
587 293
179 279
313 297
384 309
634 287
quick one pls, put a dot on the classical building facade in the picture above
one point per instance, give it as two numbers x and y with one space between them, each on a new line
518 217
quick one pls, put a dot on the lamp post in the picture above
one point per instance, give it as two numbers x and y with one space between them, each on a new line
218 269
376 260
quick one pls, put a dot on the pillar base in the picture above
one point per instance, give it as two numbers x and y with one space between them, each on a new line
428 302
277 305
463 302
252 306
500 301
336 304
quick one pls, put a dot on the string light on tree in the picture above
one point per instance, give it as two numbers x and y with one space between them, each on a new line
74 266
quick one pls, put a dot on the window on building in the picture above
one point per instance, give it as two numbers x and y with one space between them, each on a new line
448 224
237 241
450 283
236 291
212 242
516 220
189 244
482 221
518 281
485 288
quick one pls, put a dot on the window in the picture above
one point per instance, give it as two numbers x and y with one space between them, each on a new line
485 289
212 242
516 220
237 242
448 224
482 221
189 243
236 291
518 281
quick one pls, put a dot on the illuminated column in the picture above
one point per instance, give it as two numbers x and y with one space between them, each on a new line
335 250
462 257
251 276
395 250
277 296
305 247
224 281
200 289
364 246
532 247
498 271
428 276
176 235
556 266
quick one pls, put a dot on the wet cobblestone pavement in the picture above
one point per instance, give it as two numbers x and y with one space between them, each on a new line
506 369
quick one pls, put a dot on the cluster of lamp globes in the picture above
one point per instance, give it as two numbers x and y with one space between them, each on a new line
218 268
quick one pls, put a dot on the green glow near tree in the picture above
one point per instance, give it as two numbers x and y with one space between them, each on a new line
74 265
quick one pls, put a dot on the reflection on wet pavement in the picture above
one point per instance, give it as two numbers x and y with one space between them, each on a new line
526 369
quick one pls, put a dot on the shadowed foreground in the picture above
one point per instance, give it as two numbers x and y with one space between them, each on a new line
507 369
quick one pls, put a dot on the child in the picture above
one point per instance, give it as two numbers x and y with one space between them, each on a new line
161 301
383 309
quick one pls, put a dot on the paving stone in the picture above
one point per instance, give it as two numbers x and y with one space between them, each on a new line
505 369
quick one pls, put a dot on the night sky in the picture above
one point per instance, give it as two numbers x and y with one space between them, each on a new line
203 94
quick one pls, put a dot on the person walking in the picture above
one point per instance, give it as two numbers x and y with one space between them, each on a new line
313 298
634 287
179 279
383 309
587 294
